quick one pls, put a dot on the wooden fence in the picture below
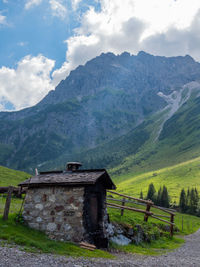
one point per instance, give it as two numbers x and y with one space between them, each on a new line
147 213
9 191
16 191
147 203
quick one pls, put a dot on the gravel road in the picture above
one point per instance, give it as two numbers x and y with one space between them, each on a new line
187 255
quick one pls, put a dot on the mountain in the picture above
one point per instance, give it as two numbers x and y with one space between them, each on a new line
122 112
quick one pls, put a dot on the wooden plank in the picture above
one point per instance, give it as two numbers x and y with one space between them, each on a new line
16 190
147 211
129 208
163 209
162 220
113 207
138 199
4 189
7 204
127 201
165 216
87 245
123 204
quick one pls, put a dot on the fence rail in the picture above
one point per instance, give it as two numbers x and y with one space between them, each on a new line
147 213
18 191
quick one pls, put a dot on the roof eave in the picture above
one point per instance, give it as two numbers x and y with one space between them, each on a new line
54 184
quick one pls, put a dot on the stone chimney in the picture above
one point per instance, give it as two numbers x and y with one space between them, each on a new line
73 166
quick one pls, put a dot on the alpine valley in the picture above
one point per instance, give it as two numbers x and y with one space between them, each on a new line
126 113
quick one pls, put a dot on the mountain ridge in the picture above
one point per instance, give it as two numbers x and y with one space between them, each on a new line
111 100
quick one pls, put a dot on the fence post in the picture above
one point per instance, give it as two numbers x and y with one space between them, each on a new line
146 215
123 204
171 226
7 205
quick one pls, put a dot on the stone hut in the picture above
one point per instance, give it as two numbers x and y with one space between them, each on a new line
69 205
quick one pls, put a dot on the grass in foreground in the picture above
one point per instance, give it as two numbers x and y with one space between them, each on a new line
36 241
156 247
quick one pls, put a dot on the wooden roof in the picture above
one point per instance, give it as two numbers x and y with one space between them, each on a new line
70 178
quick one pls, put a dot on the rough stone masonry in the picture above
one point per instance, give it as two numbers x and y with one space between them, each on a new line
56 210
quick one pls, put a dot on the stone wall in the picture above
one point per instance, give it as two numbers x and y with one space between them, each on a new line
57 211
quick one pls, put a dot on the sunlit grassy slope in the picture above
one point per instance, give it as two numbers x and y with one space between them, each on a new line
183 175
178 141
11 177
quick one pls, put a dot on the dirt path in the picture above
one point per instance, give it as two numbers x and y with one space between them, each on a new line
187 255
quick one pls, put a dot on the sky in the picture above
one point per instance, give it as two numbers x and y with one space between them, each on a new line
41 41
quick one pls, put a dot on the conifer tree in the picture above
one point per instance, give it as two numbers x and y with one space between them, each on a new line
193 202
164 198
188 200
182 201
151 191
141 195
158 201
198 208
196 194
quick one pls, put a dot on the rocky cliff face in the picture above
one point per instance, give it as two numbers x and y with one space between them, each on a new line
97 103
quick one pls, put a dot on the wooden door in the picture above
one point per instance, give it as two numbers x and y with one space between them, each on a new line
94 211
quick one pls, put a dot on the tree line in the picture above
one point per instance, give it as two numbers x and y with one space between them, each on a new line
160 198
189 200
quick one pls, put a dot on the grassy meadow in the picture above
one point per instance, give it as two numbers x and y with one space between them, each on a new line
36 241
183 175
12 177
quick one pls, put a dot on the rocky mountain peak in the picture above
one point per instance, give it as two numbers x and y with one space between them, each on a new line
108 97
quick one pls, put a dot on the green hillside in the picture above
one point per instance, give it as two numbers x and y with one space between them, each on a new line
11 177
183 175
177 142
150 146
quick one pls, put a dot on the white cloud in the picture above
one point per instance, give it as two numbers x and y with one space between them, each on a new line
2 108
3 20
28 83
167 28
175 41
159 27
75 4
113 29
22 44
58 8
31 3
160 15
